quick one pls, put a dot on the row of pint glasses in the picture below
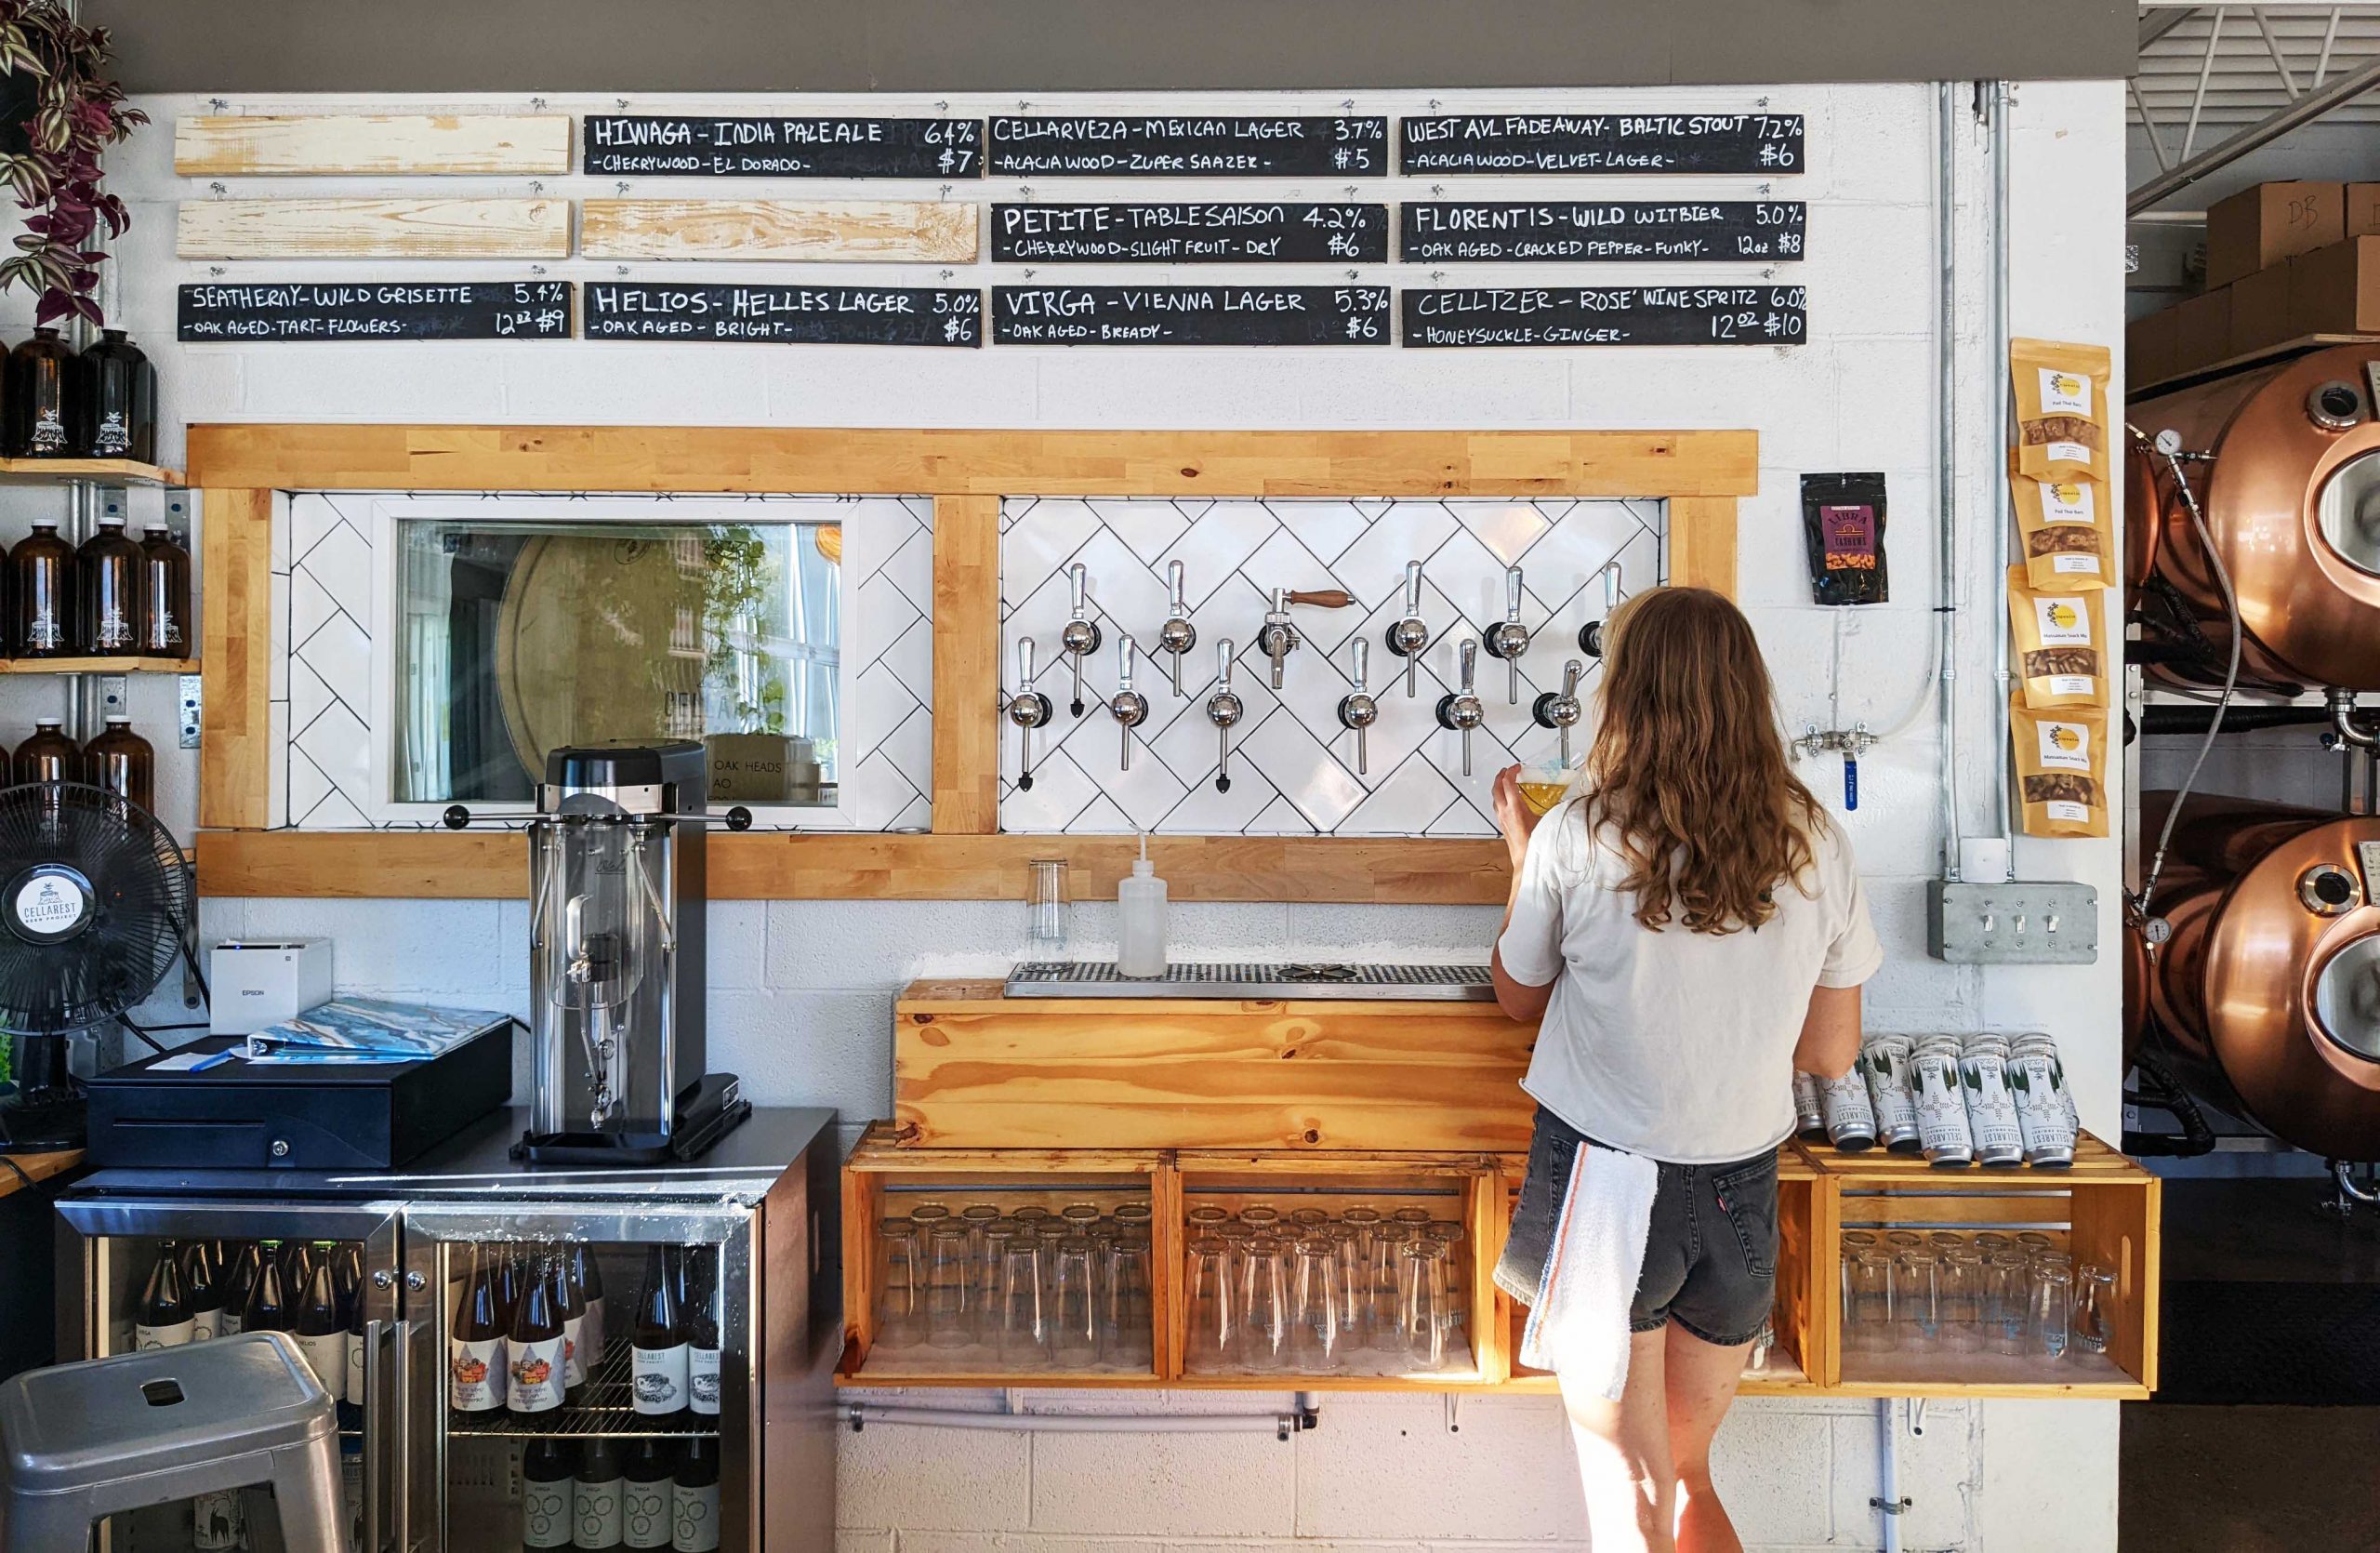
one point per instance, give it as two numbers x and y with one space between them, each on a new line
1318 1292
1038 1287
1988 1099
1985 1292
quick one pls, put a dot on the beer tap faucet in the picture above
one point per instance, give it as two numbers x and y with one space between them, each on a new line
1028 708
1223 708
1591 634
1128 707
1358 711
1177 635
1080 638
1461 711
1508 639
1410 636
1562 709
1279 639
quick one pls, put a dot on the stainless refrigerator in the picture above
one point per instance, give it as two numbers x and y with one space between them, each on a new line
762 1208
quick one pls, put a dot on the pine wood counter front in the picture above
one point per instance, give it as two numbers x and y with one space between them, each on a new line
973 1069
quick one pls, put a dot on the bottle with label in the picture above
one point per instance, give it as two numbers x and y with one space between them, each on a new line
347 1286
475 1352
572 1307
268 1305
598 1497
121 762
507 1286
239 1277
218 1524
322 1336
658 1383
548 1477
33 409
163 1320
533 1349
165 595
702 1333
647 1487
588 1277
115 401
694 1499
41 579
1140 913
49 756
202 1287
109 571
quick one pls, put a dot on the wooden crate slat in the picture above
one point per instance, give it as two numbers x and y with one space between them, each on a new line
226 146
426 228
808 231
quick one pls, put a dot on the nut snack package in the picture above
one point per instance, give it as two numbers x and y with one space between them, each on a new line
2061 769
2061 644
2061 409
2068 542
1842 521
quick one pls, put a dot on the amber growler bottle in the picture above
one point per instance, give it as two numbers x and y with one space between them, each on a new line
49 756
121 762
33 412
165 595
115 401
109 576
41 575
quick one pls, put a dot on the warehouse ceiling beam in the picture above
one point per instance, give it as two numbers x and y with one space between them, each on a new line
2302 109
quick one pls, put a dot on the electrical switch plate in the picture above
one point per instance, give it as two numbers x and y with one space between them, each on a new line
187 692
114 692
2020 923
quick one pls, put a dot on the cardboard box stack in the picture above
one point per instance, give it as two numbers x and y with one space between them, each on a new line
2284 261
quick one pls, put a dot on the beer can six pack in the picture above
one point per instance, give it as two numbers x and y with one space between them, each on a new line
1985 1098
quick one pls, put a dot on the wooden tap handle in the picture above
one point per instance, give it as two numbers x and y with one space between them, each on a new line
1324 598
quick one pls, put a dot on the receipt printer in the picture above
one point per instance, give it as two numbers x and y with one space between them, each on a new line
254 984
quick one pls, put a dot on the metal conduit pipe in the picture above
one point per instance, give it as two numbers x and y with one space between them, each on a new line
2342 723
1306 1415
1946 462
2004 506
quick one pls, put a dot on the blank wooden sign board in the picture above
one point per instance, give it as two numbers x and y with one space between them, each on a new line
375 229
223 146
815 231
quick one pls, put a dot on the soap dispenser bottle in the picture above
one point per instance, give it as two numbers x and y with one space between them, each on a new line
1140 902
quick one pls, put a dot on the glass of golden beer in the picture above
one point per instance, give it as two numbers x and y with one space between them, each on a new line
1545 783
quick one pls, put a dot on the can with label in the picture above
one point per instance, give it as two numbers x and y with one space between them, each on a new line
1941 1106
1886 1062
1850 1119
1991 1110
1809 1112
2036 1080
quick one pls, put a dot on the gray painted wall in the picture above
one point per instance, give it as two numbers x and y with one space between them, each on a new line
937 46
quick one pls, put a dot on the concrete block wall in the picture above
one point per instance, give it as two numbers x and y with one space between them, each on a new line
801 991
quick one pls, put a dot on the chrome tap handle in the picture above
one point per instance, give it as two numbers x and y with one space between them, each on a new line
1570 671
1078 587
1173 587
1512 594
1177 637
1413 613
1468 656
1512 632
1362 651
1223 662
1081 637
1125 648
1591 634
1024 665
1412 587
1223 708
1612 589
1028 708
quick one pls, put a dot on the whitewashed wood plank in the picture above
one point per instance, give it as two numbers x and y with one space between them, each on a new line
375 229
217 146
811 231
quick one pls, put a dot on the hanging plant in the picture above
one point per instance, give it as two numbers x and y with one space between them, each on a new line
52 159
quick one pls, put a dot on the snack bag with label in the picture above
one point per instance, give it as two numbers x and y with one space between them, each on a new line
2061 639
2066 532
2061 768
2061 409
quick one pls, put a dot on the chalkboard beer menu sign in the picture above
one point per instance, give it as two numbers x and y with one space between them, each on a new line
1214 233
1190 314
1492 315
645 145
785 314
374 310
1112 145
1473 232
1769 143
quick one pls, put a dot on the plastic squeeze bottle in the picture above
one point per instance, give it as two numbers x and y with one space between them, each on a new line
1140 902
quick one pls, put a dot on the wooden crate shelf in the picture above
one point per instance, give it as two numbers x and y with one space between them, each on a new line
98 666
99 472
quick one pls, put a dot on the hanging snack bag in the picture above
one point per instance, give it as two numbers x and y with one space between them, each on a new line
1842 521
2061 637
2061 409
2062 766
2066 531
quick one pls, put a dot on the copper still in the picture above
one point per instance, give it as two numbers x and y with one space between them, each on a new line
2266 996
2290 488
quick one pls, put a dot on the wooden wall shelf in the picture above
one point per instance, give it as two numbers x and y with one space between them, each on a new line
98 666
97 472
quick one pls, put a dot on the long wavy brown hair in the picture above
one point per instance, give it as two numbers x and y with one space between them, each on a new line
1688 777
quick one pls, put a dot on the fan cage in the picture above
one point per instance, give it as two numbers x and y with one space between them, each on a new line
145 901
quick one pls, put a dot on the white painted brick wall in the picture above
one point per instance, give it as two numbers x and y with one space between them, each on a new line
801 990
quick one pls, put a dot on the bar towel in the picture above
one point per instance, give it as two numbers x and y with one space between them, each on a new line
1578 1329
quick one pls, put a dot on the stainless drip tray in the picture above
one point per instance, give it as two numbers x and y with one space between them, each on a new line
1231 979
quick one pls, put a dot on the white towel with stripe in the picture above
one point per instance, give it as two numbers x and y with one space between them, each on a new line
1579 1327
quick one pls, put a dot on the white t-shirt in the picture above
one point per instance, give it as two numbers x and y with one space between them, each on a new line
1675 1044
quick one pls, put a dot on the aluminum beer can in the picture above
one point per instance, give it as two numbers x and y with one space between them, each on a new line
1991 1109
1941 1106
1850 1119
1809 1112
1886 1061
2037 1079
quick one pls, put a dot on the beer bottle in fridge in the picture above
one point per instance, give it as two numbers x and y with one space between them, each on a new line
659 1374
507 1286
547 1473
202 1287
532 1348
163 1320
702 1333
475 1351
268 1305
297 1267
588 1277
347 1286
314 1321
596 1498
647 1488
572 1307
694 1499
239 1281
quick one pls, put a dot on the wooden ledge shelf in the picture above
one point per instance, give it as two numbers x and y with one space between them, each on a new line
98 666
99 471
33 1168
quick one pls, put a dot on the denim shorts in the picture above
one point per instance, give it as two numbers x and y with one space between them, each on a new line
1710 1258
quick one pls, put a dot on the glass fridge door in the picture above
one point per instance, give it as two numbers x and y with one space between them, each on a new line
582 1376
159 1273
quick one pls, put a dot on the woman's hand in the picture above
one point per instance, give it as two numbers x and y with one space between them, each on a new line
1513 816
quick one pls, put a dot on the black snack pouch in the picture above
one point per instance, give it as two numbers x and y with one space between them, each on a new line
1843 515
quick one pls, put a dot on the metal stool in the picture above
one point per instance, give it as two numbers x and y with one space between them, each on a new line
82 1442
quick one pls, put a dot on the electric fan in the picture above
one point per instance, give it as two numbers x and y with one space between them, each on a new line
94 903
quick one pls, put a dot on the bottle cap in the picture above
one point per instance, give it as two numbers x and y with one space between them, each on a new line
119 719
45 721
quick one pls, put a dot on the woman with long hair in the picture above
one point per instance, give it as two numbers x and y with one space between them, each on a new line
1688 927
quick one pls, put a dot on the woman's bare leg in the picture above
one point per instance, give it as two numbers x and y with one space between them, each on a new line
1700 1379
1623 1451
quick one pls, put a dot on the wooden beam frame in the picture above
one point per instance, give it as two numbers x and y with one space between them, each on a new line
238 467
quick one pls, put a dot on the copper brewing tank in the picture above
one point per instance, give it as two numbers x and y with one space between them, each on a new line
2292 500
2268 994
